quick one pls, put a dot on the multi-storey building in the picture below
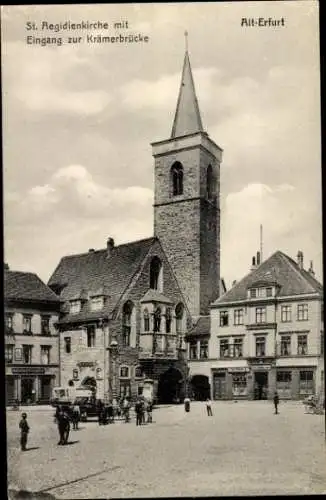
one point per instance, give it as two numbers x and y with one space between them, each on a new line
265 334
31 339
126 308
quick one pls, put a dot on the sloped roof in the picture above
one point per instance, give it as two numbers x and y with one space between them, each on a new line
279 268
94 270
155 296
202 327
187 118
27 287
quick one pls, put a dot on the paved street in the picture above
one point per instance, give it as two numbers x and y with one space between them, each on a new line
244 449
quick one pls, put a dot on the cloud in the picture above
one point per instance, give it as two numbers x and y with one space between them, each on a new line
288 225
43 81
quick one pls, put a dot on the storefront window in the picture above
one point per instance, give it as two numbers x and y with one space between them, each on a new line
239 384
306 382
193 349
283 383
224 348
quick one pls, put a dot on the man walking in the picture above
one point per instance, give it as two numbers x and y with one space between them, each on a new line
75 415
24 430
276 401
138 411
209 407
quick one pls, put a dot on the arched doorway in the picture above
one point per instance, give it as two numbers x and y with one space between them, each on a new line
170 386
200 387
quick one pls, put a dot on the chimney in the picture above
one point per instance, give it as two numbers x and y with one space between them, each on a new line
311 269
6 267
91 250
253 265
300 259
109 247
258 258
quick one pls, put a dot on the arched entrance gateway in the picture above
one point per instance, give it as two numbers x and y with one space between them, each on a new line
200 387
170 386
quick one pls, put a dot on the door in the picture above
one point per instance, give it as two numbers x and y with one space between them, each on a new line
219 386
27 390
261 385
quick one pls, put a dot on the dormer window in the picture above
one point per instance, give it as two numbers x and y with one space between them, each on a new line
97 303
75 306
261 292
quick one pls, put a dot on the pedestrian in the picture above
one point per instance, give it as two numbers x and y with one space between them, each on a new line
63 426
276 401
110 413
126 410
209 407
75 415
187 404
138 411
149 412
99 409
143 411
24 430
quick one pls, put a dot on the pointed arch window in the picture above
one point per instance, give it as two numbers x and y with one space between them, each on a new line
179 310
177 178
209 182
156 274
157 320
146 321
127 324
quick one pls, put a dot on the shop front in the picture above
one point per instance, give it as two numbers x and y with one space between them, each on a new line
230 383
30 384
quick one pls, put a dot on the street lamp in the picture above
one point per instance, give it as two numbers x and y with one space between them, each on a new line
114 347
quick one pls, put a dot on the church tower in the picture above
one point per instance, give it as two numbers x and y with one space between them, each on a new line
187 200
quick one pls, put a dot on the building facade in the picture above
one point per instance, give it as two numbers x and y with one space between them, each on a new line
126 308
266 335
123 321
187 200
31 339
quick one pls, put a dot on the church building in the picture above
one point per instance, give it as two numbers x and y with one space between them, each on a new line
125 309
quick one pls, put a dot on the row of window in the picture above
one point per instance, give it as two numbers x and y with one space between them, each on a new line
177 180
25 354
27 323
261 315
198 350
261 292
235 349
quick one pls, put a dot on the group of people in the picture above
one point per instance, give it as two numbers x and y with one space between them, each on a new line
143 407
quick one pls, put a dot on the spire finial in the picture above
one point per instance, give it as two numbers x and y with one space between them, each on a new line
186 40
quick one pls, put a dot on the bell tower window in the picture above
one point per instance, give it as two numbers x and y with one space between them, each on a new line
209 182
177 178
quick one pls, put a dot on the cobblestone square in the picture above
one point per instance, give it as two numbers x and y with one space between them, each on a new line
243 449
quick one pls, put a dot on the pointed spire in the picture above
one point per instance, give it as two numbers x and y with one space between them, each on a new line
187 118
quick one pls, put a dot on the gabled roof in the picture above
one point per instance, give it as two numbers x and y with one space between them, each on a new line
155 296
202 327
187 118
280 269
94 270
27 287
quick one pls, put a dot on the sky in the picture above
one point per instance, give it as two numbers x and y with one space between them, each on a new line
79 120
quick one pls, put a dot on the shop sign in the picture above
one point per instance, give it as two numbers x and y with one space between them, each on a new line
243 369
28 370
84 364
260 368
